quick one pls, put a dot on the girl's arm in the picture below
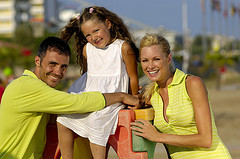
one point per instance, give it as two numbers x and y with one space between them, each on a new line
198 94
130 61
84 60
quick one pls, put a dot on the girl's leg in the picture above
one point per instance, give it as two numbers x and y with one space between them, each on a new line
98 152
107 150
66 141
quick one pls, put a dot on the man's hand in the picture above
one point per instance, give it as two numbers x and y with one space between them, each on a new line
112 98
131 100
138 105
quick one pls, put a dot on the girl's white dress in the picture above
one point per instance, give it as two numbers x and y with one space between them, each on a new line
106 72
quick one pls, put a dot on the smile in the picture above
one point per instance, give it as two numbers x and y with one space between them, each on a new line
55 78
98 41
153 72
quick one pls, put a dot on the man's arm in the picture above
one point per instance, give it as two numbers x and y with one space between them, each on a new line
36 96
112 98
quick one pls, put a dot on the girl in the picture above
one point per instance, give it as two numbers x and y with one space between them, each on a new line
107 52
183 119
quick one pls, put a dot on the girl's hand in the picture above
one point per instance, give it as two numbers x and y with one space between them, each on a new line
145 129
139 89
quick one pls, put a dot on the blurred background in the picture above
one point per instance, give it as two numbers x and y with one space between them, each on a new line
204 36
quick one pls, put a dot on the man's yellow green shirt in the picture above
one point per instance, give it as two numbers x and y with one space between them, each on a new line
24 113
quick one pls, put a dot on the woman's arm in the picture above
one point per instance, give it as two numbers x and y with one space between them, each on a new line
130 61
198 94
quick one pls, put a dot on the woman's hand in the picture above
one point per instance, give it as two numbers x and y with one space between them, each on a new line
145 129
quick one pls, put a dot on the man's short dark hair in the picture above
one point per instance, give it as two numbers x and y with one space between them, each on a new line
55 44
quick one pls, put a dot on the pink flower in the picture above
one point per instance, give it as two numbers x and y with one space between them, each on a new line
91 10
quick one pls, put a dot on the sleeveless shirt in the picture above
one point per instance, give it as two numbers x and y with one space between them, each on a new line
182 121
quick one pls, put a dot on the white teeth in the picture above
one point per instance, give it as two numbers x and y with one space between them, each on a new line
54 77
97 41
152 72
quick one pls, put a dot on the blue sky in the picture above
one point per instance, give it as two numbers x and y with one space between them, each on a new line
168 13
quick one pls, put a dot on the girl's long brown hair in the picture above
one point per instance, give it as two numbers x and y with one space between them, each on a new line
118 29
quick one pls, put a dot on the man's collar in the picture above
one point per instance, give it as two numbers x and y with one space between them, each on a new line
29 73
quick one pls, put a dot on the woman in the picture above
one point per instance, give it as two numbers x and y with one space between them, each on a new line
183 118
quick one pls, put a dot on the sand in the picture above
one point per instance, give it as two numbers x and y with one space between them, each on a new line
226 108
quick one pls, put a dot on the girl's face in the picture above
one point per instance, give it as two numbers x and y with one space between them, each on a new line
97 33
155 63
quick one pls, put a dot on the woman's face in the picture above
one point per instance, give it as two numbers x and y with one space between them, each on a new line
155 63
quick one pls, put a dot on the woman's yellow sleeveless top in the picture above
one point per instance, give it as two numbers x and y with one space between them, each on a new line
182 121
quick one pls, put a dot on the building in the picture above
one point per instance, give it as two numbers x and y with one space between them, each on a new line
37 17
36 12
7 18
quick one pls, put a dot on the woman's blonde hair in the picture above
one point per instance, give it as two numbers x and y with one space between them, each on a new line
150 40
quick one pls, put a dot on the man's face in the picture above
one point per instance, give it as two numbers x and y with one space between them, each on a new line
52 68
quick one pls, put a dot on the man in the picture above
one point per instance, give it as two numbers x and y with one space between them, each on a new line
28 101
